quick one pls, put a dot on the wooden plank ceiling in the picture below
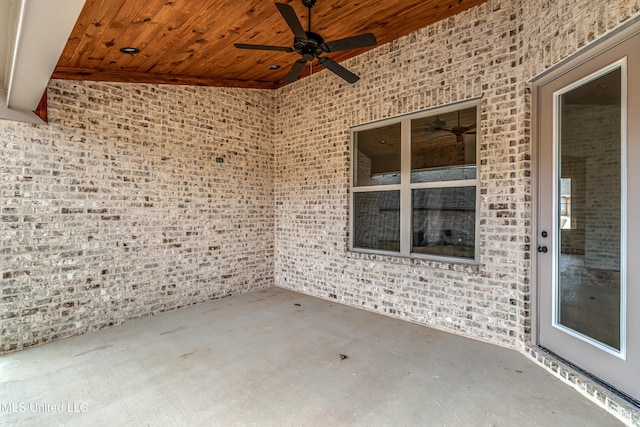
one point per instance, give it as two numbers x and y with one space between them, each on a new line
191 41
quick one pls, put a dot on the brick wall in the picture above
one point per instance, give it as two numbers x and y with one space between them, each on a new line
117 209
490 51
467 56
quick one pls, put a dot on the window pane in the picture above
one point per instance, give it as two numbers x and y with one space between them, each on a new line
445 174
444 221
443 147
588 292
377 156
377 220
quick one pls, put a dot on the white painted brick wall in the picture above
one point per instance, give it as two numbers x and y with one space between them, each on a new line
117 209
471 55
490 51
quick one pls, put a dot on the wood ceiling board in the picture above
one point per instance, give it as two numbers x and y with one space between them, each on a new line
180 40
84 39
198 47
208 46
145 27
80 33
140 30
91 74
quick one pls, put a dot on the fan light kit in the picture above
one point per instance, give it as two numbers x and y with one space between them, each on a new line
310 45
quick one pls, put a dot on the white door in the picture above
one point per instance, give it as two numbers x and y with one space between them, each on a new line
588 235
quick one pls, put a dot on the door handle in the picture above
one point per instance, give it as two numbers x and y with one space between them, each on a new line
542 249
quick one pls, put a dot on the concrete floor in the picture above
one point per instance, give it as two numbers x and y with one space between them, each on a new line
273 358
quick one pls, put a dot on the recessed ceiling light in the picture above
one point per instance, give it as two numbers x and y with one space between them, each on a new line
130 50
274 67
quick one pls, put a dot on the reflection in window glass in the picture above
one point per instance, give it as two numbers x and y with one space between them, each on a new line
590 205
443 147
444 174
414 179
377 220
565 203
377 159
443 221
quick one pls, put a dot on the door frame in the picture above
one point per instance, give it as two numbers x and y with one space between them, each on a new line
583 55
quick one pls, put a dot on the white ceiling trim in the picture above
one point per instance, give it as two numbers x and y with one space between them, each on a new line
33 34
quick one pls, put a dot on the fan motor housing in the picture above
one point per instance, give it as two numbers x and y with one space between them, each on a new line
309 48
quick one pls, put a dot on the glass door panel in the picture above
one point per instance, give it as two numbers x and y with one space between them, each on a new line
588 213
589 221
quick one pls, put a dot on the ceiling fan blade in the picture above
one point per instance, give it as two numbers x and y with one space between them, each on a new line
338 69
295 71
292 20
262 47
354 42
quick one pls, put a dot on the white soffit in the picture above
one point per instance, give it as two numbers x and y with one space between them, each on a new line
33 34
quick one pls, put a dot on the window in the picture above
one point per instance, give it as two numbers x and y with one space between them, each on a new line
414 184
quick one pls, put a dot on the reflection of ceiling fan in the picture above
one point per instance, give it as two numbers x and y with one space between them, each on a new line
311 45
458 131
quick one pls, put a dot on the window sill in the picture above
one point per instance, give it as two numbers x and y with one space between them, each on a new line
440 263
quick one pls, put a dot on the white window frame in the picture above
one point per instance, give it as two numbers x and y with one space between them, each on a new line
406 187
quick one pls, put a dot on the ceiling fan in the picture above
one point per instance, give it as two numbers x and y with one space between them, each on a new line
458 131
311 45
